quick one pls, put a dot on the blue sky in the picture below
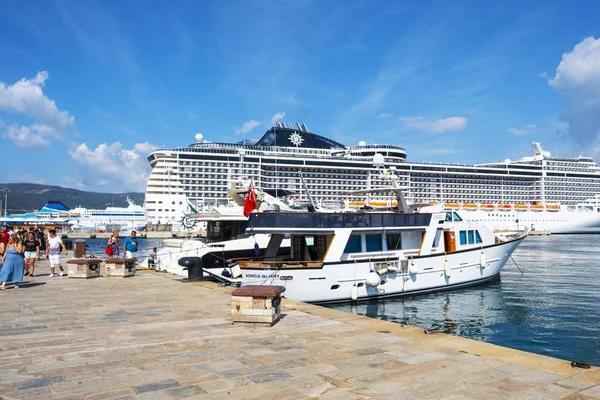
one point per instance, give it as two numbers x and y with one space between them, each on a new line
88 88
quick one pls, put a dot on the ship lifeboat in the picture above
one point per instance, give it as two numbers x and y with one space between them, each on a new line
454 206
63 214
378 203
504 207
74 214
552 207
536 207
357 203
521 207
488 207
469 206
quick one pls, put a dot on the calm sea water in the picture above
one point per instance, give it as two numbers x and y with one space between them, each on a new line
553 308
97 246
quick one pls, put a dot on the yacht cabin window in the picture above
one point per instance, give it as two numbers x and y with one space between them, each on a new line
452 216
308 247
393 241
353 245
373 242
469 237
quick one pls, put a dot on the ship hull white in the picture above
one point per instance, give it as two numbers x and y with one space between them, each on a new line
334 281
214 256
559 222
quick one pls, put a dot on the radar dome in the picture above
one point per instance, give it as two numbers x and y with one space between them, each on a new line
378 159
199 137
507 161
362 143
547 154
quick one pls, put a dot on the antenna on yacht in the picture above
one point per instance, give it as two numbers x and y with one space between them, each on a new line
390 175
403 205
312 203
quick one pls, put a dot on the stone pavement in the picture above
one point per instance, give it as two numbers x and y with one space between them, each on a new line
153 337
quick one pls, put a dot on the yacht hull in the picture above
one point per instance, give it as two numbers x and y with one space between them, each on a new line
334 281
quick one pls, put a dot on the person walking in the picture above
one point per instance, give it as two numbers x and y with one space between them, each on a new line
4 235
32 253
12 269
115 245
130 245
54 245
41 238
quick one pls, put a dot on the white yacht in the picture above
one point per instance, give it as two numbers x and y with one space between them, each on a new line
334 257
541 192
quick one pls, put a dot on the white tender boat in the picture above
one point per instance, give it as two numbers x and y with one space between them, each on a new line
336 257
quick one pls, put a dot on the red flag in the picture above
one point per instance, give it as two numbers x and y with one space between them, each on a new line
250 201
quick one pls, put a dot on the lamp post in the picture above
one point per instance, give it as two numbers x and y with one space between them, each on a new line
5 190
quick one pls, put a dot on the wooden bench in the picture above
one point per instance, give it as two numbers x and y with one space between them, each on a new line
256 304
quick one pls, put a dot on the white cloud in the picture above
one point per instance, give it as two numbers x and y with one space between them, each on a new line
384 115
521 131
26 97
115 166
278 116
578 76
579 68
451 124
247 126
30 136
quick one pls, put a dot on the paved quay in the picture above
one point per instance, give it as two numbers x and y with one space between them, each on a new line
154 337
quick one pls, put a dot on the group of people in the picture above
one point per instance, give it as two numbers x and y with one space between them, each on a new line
130 245
19 251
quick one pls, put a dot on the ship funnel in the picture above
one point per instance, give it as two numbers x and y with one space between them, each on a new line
299 126
305 128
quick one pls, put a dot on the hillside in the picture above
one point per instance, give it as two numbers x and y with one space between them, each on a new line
26 197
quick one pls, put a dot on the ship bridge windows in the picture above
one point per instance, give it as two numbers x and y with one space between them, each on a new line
452 216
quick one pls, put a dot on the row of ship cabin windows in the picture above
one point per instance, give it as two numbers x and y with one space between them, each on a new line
473 182
590 180
393 241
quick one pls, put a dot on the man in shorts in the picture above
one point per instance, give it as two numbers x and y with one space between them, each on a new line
130 245
54 245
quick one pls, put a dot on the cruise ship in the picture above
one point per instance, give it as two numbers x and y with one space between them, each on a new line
55 213
540 192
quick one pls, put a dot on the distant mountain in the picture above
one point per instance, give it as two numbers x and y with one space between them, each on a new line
26 197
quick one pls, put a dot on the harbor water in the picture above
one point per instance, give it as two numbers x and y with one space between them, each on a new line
550 309
97 246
